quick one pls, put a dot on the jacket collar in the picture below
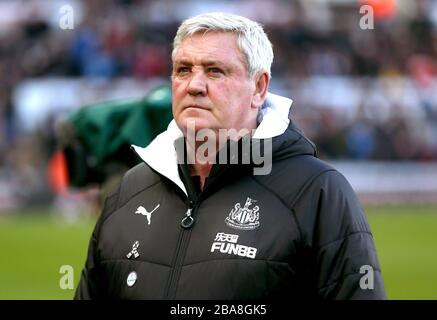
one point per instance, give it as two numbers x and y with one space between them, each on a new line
161 154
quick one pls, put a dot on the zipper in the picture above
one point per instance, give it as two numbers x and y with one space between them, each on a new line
186 223
188 219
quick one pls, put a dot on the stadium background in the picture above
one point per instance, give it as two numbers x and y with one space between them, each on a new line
367 97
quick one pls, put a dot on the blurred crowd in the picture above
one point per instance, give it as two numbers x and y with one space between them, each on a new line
386 76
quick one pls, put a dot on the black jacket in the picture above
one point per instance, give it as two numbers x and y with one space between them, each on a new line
298 232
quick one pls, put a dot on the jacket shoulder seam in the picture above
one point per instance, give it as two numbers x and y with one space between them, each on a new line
336 280
123 182
113 209
344 237
134 194
308 183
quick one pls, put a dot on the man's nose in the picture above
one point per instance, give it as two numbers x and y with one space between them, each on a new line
197 84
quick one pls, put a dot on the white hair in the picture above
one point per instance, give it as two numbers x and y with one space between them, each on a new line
251 38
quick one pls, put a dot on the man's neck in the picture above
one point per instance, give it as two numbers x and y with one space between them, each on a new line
201 170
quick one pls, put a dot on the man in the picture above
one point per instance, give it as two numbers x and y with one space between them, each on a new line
194 223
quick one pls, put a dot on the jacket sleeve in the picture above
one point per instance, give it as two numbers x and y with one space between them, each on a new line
342 259
91 284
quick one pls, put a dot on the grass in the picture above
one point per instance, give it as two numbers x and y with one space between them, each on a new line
34 246
33 249
406 240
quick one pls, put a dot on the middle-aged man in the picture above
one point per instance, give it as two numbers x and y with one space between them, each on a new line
262 218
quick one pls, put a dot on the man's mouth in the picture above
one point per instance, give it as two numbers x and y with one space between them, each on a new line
196 106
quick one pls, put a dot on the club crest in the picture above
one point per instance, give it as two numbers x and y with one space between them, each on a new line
244 218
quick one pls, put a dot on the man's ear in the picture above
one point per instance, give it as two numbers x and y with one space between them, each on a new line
262 81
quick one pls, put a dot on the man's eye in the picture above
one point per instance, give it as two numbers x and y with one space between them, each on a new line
182 70
215 70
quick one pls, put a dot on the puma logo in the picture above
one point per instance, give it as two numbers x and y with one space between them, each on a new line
141 210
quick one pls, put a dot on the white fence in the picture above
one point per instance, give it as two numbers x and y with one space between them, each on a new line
391 182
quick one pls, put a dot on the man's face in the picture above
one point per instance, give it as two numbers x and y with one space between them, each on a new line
210 84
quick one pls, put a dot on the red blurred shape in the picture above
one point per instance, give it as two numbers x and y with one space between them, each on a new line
382 9
422 68
58 173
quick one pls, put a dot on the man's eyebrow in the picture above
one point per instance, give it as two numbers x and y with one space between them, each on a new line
184 62
204 63
212 62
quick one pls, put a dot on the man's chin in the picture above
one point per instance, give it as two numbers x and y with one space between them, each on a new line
195 124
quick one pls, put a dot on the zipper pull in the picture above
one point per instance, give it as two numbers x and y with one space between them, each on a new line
188 219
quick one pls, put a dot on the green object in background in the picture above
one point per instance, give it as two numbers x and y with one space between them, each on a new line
105 127
96 139
34 247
